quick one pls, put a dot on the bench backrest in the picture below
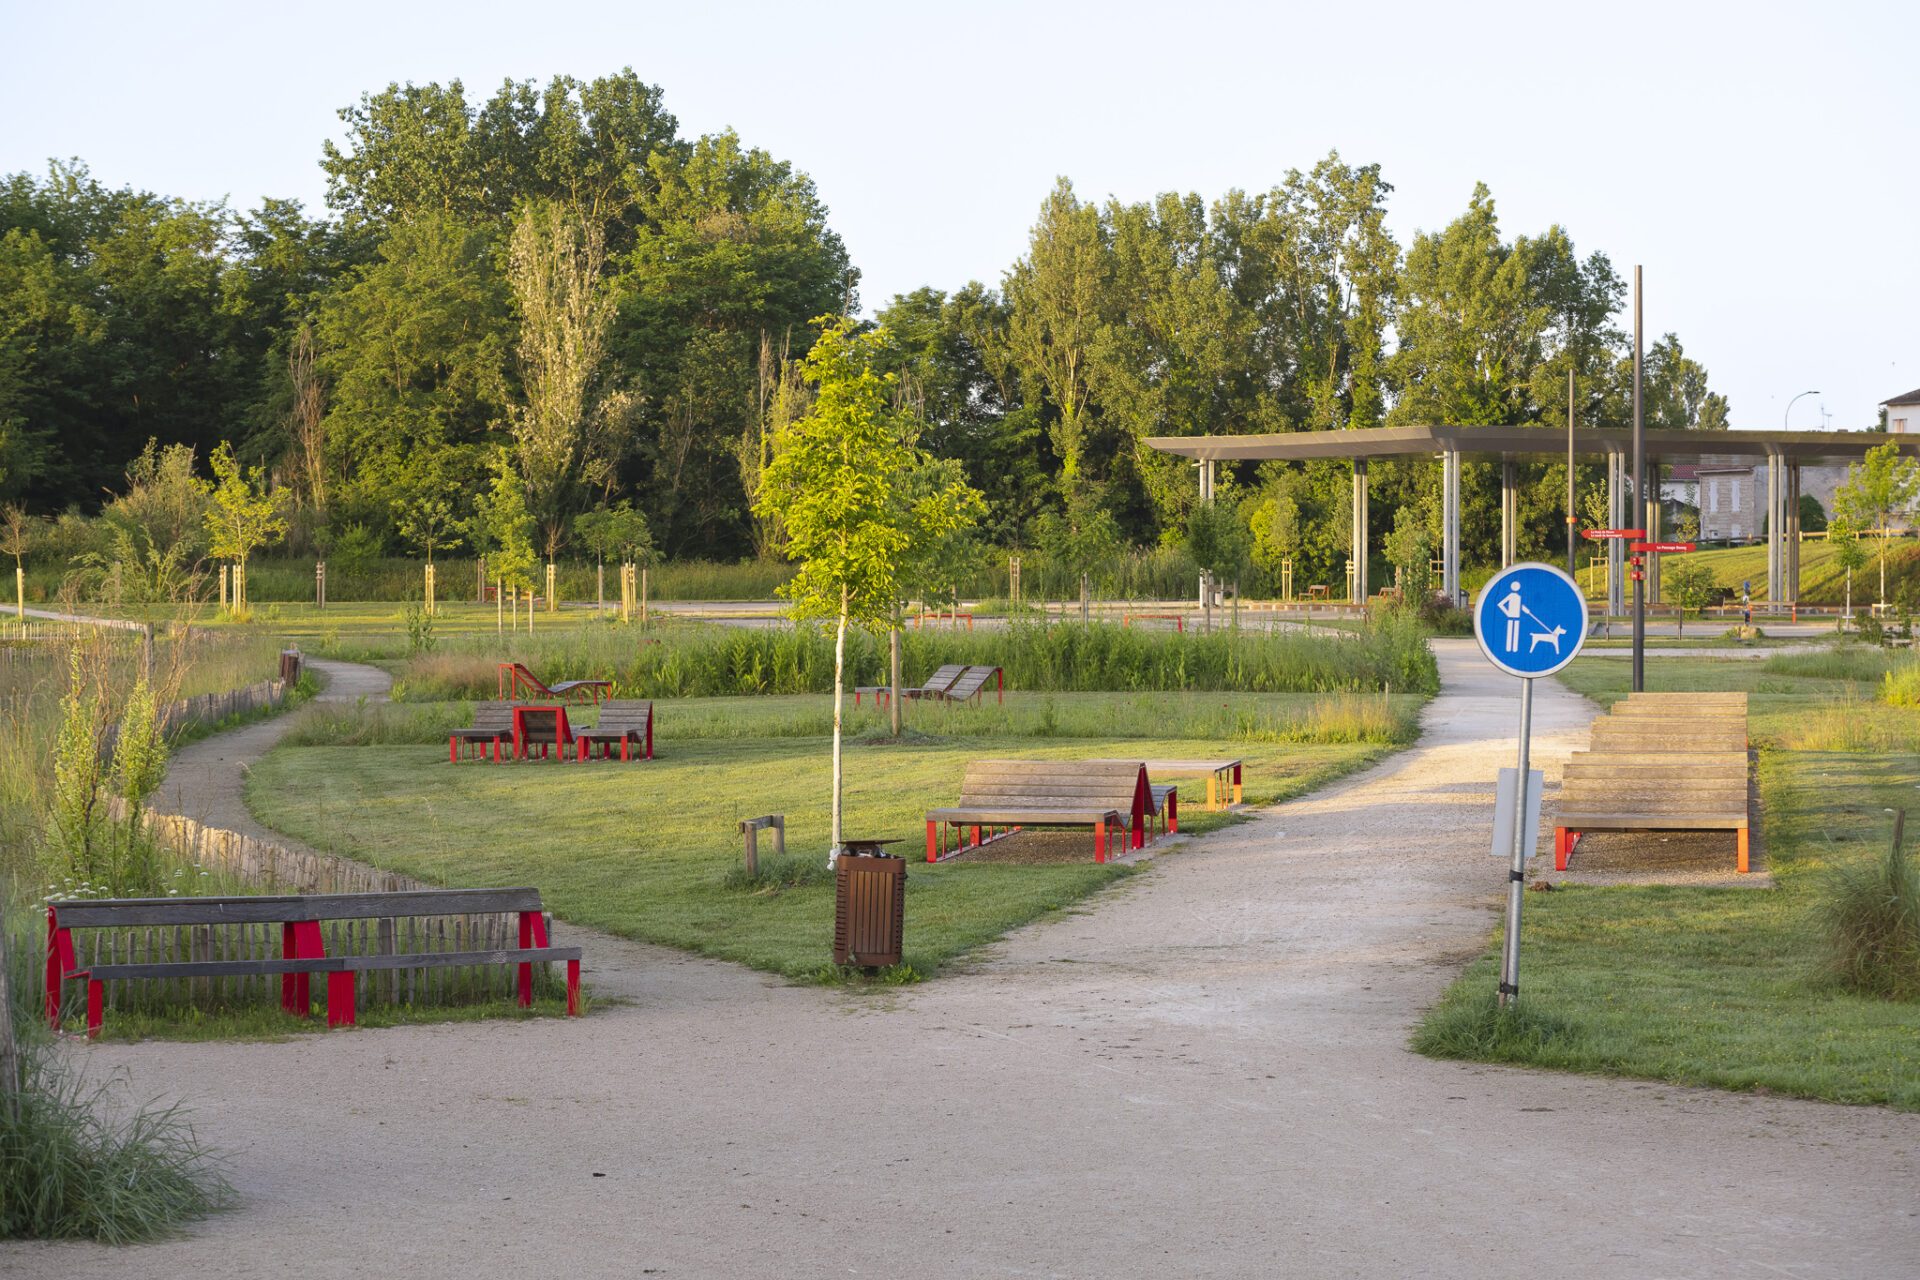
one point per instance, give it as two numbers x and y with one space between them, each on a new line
493 715
98 913
942 680
1056 784
972 681
543 724
634 717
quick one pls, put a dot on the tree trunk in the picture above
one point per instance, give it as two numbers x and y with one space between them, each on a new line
600 585
893 663
1086 598
839 670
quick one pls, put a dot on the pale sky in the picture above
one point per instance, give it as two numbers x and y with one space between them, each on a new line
1762 161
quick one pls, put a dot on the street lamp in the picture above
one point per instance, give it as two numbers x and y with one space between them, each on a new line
1790 403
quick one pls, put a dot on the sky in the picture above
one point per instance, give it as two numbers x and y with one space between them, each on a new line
1760 161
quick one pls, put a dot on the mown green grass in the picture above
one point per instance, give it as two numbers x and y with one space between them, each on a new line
1725 987
643 850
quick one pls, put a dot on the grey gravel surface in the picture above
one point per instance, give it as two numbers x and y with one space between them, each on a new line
1201 1073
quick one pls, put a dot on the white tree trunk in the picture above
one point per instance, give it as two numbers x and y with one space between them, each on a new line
839 668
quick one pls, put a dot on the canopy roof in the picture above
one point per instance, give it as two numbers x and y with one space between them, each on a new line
1390 442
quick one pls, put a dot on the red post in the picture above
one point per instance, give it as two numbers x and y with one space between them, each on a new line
975 842
340 999
649 733
573 988
1100 840
1173 812
999 685
527 970
59 961
453 749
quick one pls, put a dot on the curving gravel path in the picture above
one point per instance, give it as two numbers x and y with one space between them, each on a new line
1201 1073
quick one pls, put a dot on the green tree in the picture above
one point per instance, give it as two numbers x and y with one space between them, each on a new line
426 516
246 515
1409 549
1847 552
567 429
1689 584
1878 488
838 477
1057 298
502 524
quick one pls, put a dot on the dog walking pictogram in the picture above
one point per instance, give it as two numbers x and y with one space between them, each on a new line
1511 606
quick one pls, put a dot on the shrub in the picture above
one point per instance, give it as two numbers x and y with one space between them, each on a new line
76 1164
1871 914
1900 687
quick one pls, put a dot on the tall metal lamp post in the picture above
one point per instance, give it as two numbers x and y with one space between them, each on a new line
1789 413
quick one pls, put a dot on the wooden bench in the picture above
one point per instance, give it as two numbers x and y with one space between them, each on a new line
514 677
973 684
999 797
1223 776
626 723
302 947
938 683
1660 762
492 724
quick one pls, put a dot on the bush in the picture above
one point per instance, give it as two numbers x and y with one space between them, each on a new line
1871 914
1900 687
76 1165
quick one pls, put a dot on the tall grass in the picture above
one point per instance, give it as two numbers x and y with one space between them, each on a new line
76 1163
1845 662
1305 718
701 661
1900 687
1871 915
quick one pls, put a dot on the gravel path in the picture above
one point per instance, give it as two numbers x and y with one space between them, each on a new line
1201 1073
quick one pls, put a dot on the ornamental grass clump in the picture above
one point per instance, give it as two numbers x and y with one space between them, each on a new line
1871 915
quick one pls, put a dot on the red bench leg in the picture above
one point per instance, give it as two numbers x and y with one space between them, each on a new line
340 998
533 933
975 842
1562 848
931 857
453 750
1173 812
573 988
1745 849
96 1000
1100 841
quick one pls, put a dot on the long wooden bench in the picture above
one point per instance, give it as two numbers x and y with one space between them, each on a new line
1000 797
936 686
492 725
625 723
1660 762
302 946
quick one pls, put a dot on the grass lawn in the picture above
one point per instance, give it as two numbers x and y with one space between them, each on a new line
1725 986
643 849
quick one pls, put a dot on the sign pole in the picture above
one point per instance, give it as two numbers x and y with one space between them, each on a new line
1640 496
1517 870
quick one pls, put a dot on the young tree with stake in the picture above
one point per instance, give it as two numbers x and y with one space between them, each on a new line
839 479
245 516
1880 487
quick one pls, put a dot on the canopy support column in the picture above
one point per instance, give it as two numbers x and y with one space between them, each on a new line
1359 550
1509 513
1617 518
1450 525
1793 532
1206 482
1776 566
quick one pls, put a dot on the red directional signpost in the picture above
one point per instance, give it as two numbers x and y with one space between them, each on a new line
1663 547
1597 534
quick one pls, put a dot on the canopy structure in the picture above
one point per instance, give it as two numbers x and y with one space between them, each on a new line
1782 452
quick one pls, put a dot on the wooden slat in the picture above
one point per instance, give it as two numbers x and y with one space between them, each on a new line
275 909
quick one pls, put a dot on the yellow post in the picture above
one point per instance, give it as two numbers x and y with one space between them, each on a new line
499 607
429 587
223 588
20 593
553 596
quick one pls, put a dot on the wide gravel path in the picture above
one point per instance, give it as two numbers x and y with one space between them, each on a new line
1200 1074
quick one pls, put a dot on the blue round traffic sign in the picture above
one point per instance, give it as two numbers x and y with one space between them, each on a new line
1530 620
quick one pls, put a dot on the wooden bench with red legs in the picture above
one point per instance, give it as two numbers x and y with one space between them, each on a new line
302 943
1000 797
1660 762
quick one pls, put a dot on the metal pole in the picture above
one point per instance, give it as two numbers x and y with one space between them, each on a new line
1639 491
1573 522
1517 871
